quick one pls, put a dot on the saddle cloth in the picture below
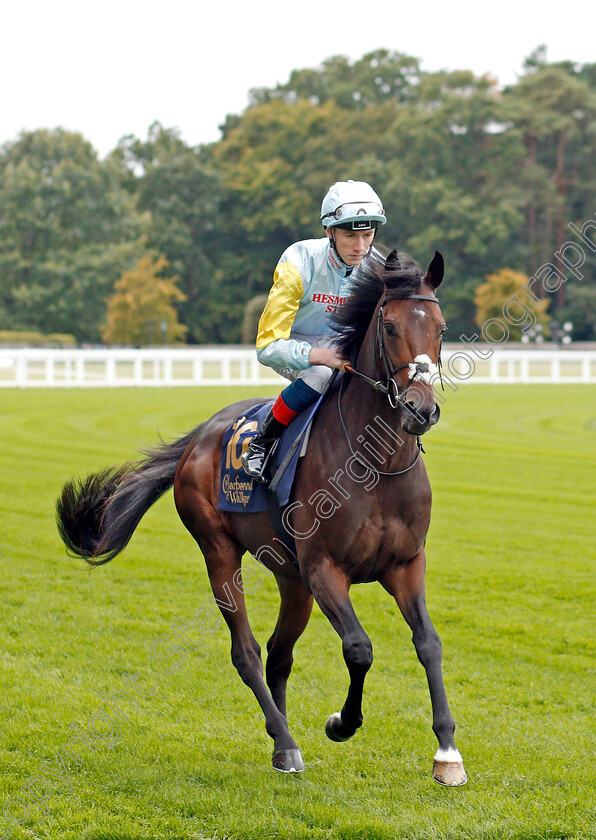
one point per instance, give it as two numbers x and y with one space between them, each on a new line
238 493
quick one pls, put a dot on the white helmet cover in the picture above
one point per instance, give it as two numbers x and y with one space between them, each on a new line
354 204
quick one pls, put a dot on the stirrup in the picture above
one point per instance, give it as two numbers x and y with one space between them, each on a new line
261 448
261 454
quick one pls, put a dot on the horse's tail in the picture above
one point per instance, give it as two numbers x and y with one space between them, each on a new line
97 516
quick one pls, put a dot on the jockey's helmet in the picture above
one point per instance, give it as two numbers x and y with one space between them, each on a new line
352 205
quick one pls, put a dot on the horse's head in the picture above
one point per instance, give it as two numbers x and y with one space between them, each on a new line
409 333
391 327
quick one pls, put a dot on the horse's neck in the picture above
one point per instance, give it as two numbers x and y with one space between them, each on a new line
371 422
367 362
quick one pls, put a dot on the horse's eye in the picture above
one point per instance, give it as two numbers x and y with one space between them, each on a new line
389 329
443 329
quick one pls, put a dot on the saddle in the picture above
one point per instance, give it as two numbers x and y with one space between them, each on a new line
239 493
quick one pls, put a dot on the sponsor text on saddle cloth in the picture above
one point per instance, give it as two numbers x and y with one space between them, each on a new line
238 493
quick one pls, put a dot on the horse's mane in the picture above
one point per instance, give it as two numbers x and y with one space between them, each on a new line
351 322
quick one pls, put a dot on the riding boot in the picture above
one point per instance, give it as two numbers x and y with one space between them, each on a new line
254 460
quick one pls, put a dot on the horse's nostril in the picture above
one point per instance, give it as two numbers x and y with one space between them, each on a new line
423 415
412 409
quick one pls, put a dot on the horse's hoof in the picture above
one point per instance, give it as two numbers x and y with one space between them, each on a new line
335 729
448 768
288 761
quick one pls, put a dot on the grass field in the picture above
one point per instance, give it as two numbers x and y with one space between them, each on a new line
510 589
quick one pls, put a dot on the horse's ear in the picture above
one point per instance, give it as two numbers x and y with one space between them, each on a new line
392 261
435 271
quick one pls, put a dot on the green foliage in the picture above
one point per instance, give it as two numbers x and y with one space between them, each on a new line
181 194
554 110
378 77
67 230
580 310
141 310
252 314
30 338
503 287
490 178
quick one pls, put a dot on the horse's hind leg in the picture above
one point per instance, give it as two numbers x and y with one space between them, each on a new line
294 611
223 558
406 584
331 590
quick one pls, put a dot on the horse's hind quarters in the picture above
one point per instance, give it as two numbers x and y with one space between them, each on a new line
288 761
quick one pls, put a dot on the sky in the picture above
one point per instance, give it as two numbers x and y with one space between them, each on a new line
111 68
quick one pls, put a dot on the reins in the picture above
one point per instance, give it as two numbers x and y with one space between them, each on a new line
358 456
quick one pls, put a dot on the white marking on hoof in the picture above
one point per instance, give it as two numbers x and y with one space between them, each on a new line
448 768
450 754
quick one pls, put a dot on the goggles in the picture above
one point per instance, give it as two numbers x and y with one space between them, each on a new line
353 209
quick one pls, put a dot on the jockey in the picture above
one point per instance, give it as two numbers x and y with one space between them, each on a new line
312 279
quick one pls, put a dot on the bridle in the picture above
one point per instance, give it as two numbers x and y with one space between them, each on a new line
418 369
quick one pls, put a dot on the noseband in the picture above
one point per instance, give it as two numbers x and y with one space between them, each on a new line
421 368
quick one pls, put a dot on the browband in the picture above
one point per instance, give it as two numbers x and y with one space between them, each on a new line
410 297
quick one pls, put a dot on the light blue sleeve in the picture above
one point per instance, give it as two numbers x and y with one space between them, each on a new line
285 353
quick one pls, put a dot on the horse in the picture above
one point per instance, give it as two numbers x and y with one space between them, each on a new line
359 509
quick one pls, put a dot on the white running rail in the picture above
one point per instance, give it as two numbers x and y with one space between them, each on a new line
44 368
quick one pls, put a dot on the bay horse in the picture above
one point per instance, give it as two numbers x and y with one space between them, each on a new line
359 509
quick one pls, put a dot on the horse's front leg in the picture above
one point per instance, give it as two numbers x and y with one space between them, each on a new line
406 584
330 588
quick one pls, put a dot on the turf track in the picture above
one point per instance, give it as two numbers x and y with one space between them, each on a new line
510 589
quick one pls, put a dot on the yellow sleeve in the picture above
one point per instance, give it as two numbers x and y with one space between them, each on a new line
282 305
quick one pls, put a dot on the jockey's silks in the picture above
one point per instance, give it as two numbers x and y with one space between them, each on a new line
310 283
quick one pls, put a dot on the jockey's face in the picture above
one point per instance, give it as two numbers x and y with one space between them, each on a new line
351 245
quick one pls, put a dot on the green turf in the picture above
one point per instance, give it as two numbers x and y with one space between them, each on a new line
510 589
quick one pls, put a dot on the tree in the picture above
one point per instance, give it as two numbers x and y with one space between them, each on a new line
252 315
180 193
553 107
378 77
67 231
504 288
580 310
489 178
141 309
277 163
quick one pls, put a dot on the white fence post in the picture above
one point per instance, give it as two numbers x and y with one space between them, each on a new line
21 371
137 374
197 370
167 371
110 363
226 370
80 370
